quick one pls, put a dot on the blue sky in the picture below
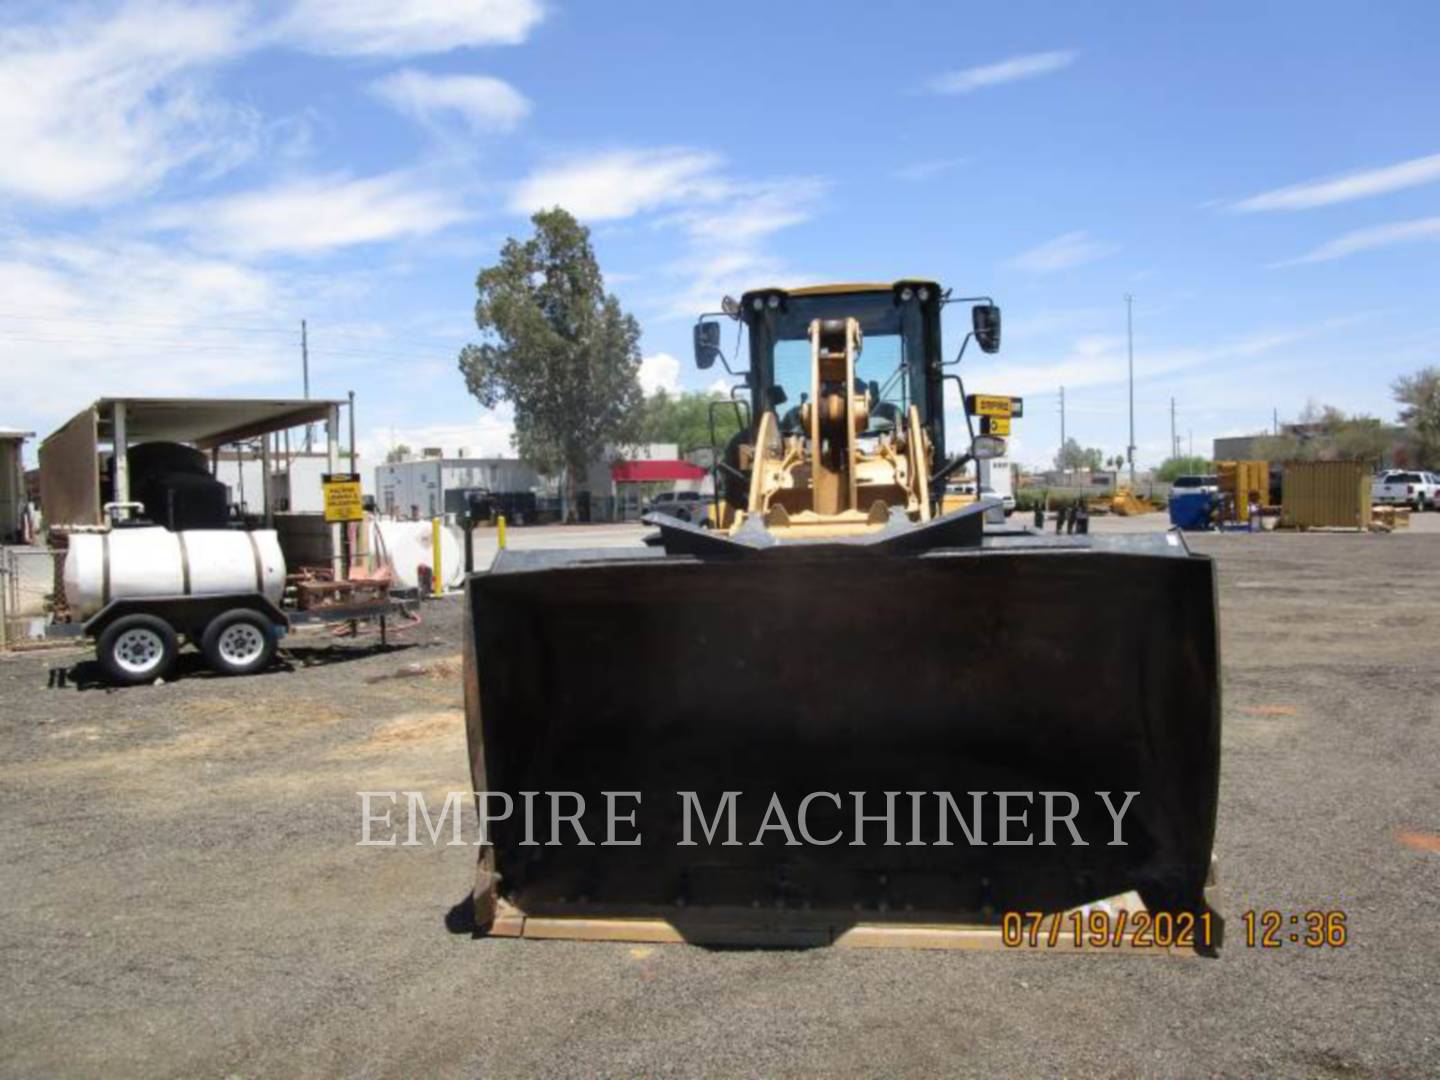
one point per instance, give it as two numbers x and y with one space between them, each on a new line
182 183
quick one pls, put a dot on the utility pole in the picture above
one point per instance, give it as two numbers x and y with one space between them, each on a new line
1275 421
1130 346
1062 426
1174 442
305 374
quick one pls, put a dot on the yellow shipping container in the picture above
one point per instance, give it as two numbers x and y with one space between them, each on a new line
1326 494
1245 482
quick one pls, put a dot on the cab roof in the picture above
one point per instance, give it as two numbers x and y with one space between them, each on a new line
848 287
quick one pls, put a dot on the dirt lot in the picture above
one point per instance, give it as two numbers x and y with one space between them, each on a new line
183 894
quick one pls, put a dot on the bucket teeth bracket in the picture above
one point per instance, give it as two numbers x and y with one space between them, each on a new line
963 528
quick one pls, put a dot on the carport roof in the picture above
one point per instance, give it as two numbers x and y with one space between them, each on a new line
208 422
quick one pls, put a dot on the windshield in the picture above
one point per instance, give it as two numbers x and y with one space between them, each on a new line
891 340
878 369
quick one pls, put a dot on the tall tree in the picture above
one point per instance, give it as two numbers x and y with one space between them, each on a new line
1325 433
558 348
1419 398
684 419
1184 465
1074 456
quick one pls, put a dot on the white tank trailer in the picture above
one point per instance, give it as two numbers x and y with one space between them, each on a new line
141 562
140 589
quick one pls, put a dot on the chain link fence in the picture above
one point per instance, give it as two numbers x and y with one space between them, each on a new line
29 581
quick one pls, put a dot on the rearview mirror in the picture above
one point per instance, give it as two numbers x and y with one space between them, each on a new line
985 319
707 344
987 447
778 396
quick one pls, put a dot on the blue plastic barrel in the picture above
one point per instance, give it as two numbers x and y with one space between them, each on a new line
1191 509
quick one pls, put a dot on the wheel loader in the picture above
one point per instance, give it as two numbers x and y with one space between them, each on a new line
892 702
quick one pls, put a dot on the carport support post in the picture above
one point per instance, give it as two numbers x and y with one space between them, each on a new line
332 466
265 480
120 442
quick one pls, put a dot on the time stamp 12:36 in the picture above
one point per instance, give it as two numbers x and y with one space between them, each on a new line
1267 929
1271 929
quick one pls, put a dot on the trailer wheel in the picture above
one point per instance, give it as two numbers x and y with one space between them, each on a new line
238 642
137 649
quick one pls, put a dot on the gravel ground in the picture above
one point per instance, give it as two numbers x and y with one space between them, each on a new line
183 894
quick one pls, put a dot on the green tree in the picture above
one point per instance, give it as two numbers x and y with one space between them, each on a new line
1419 398
400 453
1074 456
684 419
1184 465
558 348
1325 433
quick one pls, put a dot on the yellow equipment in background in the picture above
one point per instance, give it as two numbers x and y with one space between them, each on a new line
1242 484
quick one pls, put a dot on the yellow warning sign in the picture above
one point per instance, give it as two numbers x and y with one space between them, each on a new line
993 405
995 425
343 499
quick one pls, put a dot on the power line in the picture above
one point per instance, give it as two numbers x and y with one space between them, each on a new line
251 328
200 324
236 347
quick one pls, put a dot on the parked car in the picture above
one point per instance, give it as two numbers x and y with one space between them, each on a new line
688 506
1405 487
1197 482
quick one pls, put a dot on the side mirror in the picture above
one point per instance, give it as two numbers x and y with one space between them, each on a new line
987 447
777 396
707 344
985 319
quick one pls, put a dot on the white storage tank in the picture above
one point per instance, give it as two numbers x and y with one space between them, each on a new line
153 561
406 546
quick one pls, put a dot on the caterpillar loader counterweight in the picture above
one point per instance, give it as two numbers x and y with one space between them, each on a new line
837 708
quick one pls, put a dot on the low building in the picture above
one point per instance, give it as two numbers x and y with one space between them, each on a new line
1238 447
295 479
431 486
434 485
1398 449
13 499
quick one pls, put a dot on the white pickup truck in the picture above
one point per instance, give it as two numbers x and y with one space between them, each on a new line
1405 487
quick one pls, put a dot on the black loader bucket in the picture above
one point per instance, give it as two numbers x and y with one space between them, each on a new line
770 697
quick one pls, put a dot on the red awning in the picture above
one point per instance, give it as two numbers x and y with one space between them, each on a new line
644 472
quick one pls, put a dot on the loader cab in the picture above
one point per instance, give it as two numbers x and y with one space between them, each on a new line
894 401
899 364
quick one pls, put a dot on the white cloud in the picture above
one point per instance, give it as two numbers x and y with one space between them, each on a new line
1348 186
926 170
1092 360
1061 253
660 371
86 318
726 221
94 108
312 215
488 435
618 184
1371 239
1029 66
483 103
403 27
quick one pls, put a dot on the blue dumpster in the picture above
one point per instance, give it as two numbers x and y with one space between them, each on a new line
1191 509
